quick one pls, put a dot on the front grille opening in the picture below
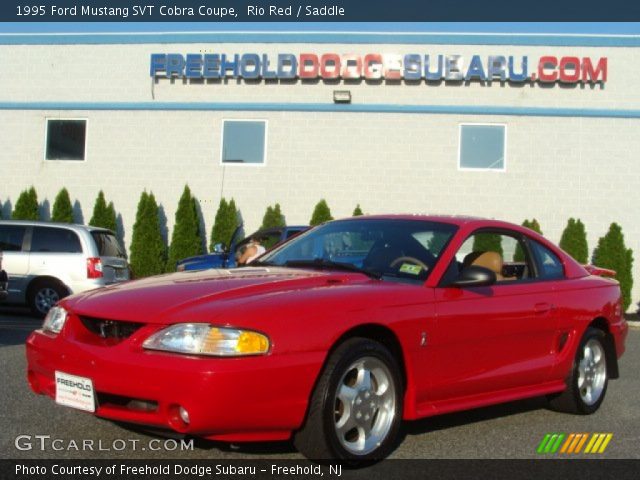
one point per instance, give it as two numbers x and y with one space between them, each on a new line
114 329
136 404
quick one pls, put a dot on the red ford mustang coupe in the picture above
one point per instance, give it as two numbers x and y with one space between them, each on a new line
336 336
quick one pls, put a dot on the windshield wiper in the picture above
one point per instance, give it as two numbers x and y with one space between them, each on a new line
328 264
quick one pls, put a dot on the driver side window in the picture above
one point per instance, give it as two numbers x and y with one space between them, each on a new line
501 253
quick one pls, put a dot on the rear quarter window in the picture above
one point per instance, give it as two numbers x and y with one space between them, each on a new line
55 240
11 237
549 265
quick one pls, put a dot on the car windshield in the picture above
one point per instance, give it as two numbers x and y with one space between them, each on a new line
404 250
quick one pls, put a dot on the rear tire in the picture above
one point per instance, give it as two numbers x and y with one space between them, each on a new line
587 384
355 410
44 294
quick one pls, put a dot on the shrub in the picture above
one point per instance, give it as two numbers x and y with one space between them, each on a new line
273 217
148 251
487 242
186 240
26 206
518 256
574 241
612 253
103 215
357 211
321 213
62 209
225 223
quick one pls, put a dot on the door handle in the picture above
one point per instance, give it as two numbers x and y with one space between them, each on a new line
542 307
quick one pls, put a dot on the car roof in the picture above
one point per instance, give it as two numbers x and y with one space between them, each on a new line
38 223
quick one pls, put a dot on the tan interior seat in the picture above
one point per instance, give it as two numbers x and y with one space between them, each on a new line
491 260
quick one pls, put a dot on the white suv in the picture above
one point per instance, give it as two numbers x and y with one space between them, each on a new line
48 261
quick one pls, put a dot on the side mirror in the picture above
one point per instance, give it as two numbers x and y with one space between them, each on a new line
219 248
474 276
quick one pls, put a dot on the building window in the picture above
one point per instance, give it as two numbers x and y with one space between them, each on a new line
244 142
66 139
482 147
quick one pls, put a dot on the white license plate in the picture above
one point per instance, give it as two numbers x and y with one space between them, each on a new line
76 392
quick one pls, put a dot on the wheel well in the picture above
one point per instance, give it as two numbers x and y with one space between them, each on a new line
380 334
610 349
38 280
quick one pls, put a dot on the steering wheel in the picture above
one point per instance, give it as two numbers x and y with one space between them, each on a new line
413 260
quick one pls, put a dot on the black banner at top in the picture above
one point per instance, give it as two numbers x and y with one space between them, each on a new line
318 11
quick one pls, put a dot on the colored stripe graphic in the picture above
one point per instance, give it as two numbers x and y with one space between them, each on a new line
598 443
550 443
573 443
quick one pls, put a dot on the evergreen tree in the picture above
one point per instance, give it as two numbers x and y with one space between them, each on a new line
273 217
186 240
62 209
225 223
321 213
103 215
574 241
518 256
612 253
26 206
533 225
148 251
357 211
487 242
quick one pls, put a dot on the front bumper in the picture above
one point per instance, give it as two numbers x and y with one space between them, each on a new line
232 399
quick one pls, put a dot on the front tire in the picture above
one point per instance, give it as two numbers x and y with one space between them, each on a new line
355 410
587 385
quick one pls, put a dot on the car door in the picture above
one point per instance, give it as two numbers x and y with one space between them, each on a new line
15 260
498 337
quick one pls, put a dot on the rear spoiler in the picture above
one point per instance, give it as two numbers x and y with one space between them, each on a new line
602 272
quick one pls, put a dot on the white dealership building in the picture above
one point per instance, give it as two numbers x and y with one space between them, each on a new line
505 126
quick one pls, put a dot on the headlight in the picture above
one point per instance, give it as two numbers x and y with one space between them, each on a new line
54 321
203 339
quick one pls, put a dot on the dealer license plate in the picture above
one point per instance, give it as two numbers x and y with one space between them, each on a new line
76 392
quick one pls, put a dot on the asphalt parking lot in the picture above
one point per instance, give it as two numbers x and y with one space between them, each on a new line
514 430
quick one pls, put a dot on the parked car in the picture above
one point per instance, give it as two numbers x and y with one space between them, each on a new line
336 336
48 261
224 257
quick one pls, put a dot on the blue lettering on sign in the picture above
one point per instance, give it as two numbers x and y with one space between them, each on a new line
211 68
193 67
287 66
476 70
431 75
523 76
412 67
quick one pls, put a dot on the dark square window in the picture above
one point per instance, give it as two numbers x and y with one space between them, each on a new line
66 139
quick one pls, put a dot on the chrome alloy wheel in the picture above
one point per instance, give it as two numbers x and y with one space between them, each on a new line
45 299
365 405
592 372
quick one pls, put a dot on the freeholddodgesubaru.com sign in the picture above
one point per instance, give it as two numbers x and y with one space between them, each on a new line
376 66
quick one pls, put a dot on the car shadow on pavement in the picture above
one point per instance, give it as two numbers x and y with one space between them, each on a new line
16 324
201 444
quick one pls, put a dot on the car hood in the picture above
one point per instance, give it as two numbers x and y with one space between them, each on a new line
157 299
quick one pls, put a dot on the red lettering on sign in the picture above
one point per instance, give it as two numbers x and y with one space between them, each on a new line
543 64
591 75
330 65
309 65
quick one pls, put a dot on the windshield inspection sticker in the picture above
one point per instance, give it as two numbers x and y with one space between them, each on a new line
410 268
